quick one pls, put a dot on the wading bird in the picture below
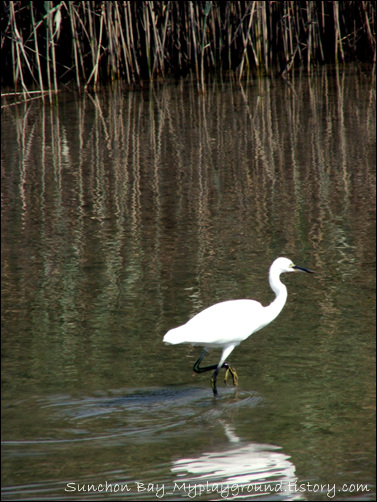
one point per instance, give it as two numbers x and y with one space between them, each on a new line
225 325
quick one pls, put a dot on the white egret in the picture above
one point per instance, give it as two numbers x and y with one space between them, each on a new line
225 325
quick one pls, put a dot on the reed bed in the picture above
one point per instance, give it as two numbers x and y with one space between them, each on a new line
46 44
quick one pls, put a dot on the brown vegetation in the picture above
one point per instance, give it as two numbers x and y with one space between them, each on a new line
44 44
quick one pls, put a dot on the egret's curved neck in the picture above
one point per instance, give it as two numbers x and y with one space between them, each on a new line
281 293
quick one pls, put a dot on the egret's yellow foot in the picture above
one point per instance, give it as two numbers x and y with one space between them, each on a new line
233 372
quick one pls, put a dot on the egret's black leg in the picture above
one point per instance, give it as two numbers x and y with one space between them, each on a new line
213 381
206 368
215 367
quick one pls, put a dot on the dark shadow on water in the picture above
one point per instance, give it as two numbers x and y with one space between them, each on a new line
142 415
183 401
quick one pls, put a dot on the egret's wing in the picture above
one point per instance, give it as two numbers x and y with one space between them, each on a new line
221 324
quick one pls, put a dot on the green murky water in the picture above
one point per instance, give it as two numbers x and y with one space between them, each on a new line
123 215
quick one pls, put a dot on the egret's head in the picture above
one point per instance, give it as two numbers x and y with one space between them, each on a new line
285 265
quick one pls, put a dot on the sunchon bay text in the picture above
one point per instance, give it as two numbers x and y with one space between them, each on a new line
225 490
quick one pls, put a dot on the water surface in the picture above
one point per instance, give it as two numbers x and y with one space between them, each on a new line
123 215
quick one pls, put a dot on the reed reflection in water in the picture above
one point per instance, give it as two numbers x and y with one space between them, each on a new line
124 214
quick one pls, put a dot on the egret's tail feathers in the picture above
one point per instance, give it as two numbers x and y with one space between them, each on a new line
173 336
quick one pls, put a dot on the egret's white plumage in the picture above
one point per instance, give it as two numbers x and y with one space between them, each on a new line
228 323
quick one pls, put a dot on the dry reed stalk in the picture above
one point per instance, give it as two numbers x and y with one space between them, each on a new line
319 31
95 69
167 10
36 48
55 34
189 44
17 40
258 35
229 35
75 45
203 46
290 29
137 40
130 39
92 32
193 34
338 39
215 43
147 41
264 8
83 23
48 67
12 23
286 32
114 29
247 40
371 37
309 32
126 54
50 43
150 15
109 30
40 94
157 44
296 49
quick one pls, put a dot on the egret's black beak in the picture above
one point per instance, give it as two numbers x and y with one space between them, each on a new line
302 269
